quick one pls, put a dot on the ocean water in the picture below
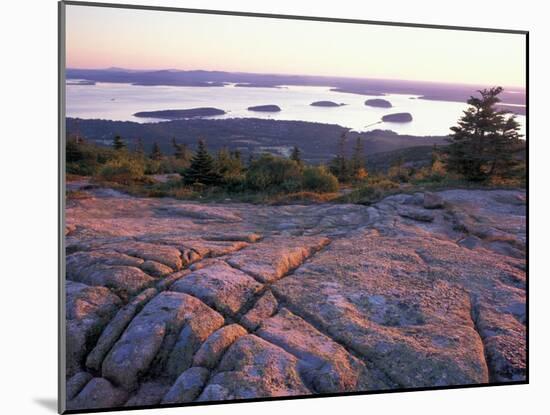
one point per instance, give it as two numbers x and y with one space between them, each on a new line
115 101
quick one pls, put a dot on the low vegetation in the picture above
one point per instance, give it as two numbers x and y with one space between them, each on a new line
485 150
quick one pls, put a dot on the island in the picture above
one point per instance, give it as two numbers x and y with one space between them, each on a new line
359 90
398 117
265 108
378 102
256 85
180 114
80 82
326 104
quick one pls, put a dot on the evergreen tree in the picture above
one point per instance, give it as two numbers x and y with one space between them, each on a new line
140 150
358 157
156 153
296 155
202 169
434 155
483 142
339 164
237 155
181 151
119 143
398 171
73 149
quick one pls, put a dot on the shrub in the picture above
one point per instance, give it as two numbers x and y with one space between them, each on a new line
376 188
302 197
319 179
123 170
234 182
85 159
273 173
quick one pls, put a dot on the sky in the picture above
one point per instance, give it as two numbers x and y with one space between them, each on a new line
99 37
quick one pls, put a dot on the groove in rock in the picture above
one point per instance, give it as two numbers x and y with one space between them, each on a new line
474 314
319 326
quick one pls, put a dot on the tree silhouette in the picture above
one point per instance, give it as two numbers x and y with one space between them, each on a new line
339 164
483 142
181 151
118 143
202 169
296 155
140 150
156 153
358 156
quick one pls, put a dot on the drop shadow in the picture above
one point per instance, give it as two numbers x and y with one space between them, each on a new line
48 403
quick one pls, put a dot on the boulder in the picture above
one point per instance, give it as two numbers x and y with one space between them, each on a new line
116 327
158 324
88 309
76 383
156 269
220 286
188 386
264 308
125 281
148 393
167 255
272 258
433 201
98 393
254 368
392 306
415 214
326 365
215 346
190 339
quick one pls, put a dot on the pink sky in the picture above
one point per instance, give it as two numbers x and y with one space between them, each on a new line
142 39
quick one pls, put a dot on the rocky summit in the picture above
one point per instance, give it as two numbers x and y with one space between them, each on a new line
171 301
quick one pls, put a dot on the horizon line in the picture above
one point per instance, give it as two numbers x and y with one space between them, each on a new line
111 68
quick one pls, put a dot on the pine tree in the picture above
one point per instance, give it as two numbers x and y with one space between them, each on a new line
156 153
140 150
237 155
339 164
397 171
483 142
181 151
358 157
296 155
202 169
118 143
434 156
73 149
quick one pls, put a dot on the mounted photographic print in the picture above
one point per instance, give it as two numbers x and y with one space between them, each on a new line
259 207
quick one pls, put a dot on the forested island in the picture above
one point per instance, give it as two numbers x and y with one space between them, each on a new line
180 114
379 103
398 117
326 104
265 108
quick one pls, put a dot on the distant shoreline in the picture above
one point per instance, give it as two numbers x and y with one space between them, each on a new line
373 87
